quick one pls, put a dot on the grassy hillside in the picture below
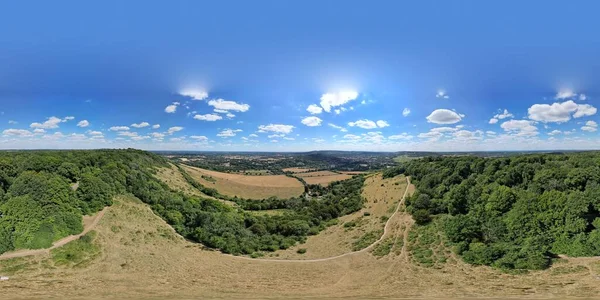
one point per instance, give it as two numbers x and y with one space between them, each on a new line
38 204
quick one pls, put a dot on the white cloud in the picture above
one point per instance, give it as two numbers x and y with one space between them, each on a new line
208 117
274 141
582 97
368 124
280 128
311 121
554 132
156 126
491 133
442 94
444 116
199 138
140 138
230 115
340 128
520 127
406 112
127 133
382 124
584 110
253 135
221 111
314 109
119 128
12 122
39 131
466 135
17 132
559 112
365 124
318 141
445 129
590 126
500 116
174 129
352 137
432 135
140 125
171 108
83 123
157 135
51 123
503 115
228 105
94 133
402 136
275 136
69 118
330 100
565 94
195 94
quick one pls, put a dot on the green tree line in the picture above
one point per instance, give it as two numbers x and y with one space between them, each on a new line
514 212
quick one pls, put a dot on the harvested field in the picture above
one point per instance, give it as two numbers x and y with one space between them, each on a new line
296 170
353 172
326 180
249 187
141 258
316 174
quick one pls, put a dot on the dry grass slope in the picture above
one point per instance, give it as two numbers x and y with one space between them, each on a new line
250 187
141 257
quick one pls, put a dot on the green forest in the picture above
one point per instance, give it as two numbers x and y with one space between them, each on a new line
515 212
39 203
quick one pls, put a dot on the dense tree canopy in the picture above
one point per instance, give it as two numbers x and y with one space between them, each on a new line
510 212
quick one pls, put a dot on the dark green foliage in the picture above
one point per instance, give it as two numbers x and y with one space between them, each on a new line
510 212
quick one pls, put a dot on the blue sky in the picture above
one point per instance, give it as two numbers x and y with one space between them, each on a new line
300 75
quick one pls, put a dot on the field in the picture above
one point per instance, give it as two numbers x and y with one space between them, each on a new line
296 170
326 180
323 178
316 174
136 255
250 187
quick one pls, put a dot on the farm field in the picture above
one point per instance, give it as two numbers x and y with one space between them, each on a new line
316 174
136 255
296 170
326 180
249 187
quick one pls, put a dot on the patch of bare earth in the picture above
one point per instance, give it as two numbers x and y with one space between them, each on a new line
142 258
250 187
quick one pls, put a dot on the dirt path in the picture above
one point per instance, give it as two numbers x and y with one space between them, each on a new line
87 227
385 232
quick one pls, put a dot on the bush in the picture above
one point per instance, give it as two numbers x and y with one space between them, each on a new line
421 216
301 251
